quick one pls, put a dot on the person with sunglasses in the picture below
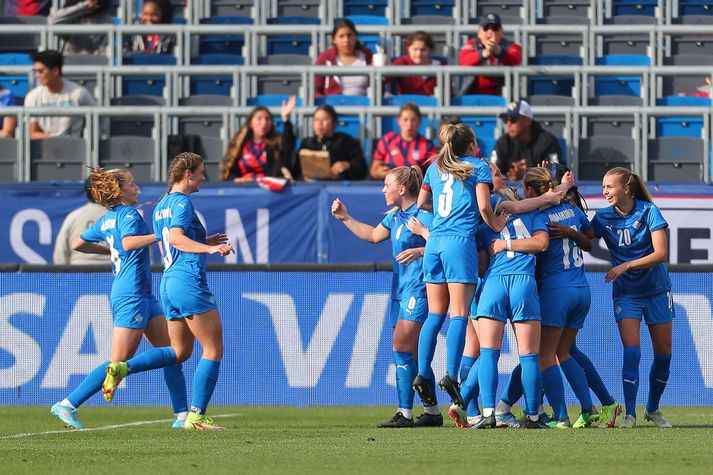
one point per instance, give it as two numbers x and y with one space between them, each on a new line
526 143
489 47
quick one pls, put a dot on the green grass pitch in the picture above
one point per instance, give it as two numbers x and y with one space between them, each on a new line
339 440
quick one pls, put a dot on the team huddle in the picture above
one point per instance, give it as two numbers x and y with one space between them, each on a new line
485 256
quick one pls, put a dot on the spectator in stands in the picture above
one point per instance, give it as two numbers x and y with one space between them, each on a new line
345 153
83 12
257 149
488 48
27 7
526 143
54 91
404 148
7 123
345 51
75 224
153 12
419 46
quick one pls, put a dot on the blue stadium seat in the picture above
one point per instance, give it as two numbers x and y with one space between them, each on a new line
483 126
365 7
218 59
213 85
143 85
552 85
224 44
290 44
368 20
389 124
634 7
342 100
695 7
294 20
620 85
482 100
270 100
350 125
486 145
16 59
432 7
19 85
150 59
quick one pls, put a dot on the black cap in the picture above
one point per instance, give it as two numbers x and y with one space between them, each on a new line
490 19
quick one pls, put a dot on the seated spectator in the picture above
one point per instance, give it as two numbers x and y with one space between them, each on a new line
526 143
54 91
346 157
86 12
7 123
419 46
345 51
75 224
257 149
405 148
488 48
154 12
27 7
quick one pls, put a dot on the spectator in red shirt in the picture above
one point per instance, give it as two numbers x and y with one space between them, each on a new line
419 46
257 149
405 148
489 48
345 51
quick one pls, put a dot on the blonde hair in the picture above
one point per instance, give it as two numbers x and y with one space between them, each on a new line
106 185
455 139
539 179
509 194
409 177
637 187
178 167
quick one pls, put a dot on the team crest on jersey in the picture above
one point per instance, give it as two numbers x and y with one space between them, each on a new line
636 225
138 318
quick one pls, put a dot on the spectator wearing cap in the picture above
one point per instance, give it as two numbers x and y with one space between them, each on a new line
489 48
526 144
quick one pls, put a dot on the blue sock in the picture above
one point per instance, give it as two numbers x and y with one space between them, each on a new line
427 343
513 388
578 382
455 342
658 377
203 384
630 377
152 359
488 376
406 371
89 386
469 387
554 390
593 379
531 383
176 383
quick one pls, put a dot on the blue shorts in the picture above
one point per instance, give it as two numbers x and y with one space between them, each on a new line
476 298
134 312
183 297
450 259
509 296
565 307
657 308
412 309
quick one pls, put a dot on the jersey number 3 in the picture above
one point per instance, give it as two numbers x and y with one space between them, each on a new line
445 199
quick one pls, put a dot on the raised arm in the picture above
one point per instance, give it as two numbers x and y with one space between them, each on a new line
361 230
552 197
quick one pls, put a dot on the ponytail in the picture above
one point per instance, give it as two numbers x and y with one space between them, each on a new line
637 187
106 185
455 139
409 177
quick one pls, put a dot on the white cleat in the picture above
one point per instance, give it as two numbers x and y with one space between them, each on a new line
657 418
629 422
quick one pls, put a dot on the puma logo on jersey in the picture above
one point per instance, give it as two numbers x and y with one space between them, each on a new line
181 205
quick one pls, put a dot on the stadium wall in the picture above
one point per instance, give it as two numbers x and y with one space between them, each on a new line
299 337
295 225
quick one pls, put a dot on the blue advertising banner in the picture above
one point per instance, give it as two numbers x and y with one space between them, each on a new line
299 338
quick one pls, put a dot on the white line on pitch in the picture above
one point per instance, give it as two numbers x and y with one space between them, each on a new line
91 429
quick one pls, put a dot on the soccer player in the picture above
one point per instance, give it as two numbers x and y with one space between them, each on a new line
136 312
189 304
408 292
458 187
634 231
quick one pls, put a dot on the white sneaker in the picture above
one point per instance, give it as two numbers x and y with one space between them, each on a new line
657 418
472 420
629 422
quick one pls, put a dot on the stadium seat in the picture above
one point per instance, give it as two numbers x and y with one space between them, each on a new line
559 44
290 43
232 8
286 84
390 123
484 126
365 7
21 42
86 60
368 20
569 8
620 85
218 59
223 44
694 19
15 59
635 7
551 100
8 159
482 100
626 42
600 153
675 159
286 60
683 84
135 153
563 20
212 151
19 85
350 125
141 125
208 125
213 85
681 126
695 7
432 7
551 84
143 85
150 59
309 8
206 100
690 44
270 100
510 11
88 81
57 158
342 100
600 124
486 145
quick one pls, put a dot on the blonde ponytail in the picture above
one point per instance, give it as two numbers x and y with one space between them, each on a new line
637 186
456 139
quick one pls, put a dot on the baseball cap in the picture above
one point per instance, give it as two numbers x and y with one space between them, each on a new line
490 19
517 108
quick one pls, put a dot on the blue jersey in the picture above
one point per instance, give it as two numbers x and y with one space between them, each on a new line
132 269
562 264
175 210
629 238
484 235
455 208
520 226
407 280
